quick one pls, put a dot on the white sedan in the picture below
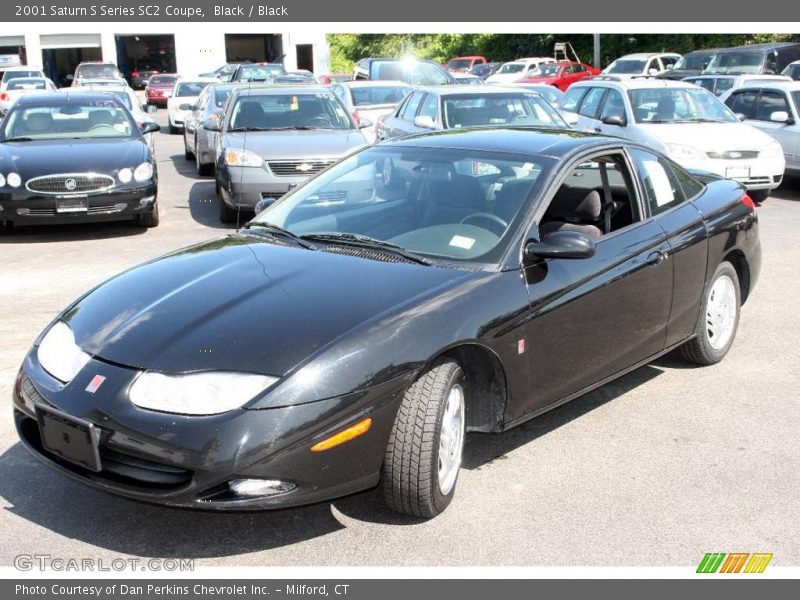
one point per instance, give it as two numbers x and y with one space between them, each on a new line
184 96
23 86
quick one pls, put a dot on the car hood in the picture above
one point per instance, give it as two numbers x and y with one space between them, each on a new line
539 79
241 304
31 159
505 77
709 137
315 143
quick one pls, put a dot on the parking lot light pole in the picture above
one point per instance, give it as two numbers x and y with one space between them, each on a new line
596 50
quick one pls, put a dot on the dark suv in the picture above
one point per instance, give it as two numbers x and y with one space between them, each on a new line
413 71
262 72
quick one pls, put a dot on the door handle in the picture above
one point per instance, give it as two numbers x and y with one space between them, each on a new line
657 257
598 130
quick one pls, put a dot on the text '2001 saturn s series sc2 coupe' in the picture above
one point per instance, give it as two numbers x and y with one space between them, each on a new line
351 333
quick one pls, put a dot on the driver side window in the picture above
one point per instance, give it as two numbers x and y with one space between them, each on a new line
596 198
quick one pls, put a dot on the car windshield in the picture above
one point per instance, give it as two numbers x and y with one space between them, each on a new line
695 62
459 63
163 80
516 109
736 62
189 88
98 72
792 71
546 70
511 68
8 75
411 71
76 119
456 205
221 96
288 111
627 66
552 94
260 72
678 105
100 83
27 84
123 97
378 95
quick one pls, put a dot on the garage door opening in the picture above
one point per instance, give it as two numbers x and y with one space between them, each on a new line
145 53
59 63
258 47
305 57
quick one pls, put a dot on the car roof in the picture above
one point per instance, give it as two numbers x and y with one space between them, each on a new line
461 89
789 86
274 90
543 142
358 83
762 46
182 78
63 97
22 68
470 56
638 83
648 54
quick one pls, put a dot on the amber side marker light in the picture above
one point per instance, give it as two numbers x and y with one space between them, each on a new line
343 436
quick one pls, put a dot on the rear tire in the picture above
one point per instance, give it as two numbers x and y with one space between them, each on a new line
420 469
719 319
759 196
172 129
150 219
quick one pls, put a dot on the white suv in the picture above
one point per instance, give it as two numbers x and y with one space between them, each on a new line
517 69
686 122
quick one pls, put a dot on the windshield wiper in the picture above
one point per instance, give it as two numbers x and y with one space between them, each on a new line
280 232
698 120
239 129
19 139
365 241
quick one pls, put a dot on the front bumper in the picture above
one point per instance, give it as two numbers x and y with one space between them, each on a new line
158 100
22 207
753 174
244 187
187 461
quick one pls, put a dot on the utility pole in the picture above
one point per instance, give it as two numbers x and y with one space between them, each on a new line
596 50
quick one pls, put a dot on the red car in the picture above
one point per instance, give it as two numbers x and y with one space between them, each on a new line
159 88
560 74
332 78
462 64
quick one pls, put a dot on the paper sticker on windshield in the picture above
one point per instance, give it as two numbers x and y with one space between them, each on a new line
459 241
662 188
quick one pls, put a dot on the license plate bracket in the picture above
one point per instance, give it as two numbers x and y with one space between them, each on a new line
69 438
737 172
72 204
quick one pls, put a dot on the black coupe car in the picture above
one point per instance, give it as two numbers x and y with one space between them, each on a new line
69 157
352 332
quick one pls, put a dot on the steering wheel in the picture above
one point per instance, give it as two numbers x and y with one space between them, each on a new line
316 121
101 126
494 219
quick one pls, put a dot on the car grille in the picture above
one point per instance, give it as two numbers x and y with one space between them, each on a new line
734 154
70 183
297 168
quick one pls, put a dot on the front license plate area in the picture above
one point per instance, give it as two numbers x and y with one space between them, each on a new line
72 204
737 172
74 440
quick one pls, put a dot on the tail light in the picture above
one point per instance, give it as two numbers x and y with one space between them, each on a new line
748 202
3 96
135 74
356 117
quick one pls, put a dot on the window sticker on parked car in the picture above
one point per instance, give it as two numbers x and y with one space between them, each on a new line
659 181
459 241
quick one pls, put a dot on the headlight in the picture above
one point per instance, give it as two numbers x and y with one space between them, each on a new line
13 179
2 180
772 150
125 175
208 393
235 157
59 355
680 152
143 172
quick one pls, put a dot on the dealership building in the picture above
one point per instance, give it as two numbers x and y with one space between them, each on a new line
186 48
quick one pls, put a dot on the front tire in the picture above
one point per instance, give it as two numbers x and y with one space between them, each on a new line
150 219
187 153
226 213
426 445
719 319
759 196
203 169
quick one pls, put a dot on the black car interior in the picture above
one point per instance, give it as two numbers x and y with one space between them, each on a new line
596 198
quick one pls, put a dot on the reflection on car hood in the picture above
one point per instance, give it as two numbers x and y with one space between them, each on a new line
34 158
314 143
241 304
708 137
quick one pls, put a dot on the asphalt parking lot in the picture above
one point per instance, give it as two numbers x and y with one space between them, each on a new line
657 468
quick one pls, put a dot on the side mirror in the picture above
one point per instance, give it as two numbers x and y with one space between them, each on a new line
185 106
652 72
571 118
781 116
212 125
740 116
425 122
561 244
617 120
149 127
152 109
264 203
364 123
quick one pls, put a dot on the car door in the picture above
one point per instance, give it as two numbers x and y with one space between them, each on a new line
589 109
769 102
592 318
613 106
401 122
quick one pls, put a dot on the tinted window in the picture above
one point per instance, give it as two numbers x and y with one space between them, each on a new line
626 67
377 95
98 72
190 88
409 110
163 80
743 103
660 184
736 62
614 105
691 186
430 107
221 96
668 60
770 102
591 102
